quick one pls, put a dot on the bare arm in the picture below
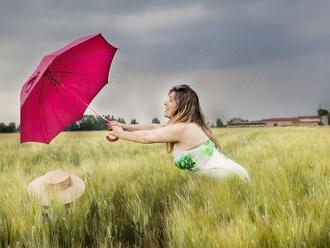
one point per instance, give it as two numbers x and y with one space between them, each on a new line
169 133
135 127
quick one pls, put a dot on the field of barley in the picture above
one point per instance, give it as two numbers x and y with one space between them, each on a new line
136 197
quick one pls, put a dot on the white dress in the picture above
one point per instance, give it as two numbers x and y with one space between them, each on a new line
206 159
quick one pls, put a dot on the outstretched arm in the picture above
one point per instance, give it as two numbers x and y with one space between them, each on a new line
135 127
169 133
147 126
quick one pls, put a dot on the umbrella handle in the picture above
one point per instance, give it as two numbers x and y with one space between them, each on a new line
111 138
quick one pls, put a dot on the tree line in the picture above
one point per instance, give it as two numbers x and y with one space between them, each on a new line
10 128
91 122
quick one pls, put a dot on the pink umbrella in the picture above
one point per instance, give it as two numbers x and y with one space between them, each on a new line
61 87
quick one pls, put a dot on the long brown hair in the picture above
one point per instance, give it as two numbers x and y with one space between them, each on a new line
188 110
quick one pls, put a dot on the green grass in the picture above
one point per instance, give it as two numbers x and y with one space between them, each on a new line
135 196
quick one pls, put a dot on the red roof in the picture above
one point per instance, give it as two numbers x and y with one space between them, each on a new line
293 119
281 119
309 117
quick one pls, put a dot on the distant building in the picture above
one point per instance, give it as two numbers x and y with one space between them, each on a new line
247 124
308 120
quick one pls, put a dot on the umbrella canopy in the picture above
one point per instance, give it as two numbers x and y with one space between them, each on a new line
61 87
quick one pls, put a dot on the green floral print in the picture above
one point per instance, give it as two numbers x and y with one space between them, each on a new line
189 159
208 148
186 162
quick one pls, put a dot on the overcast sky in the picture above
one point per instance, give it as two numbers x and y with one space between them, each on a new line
248 59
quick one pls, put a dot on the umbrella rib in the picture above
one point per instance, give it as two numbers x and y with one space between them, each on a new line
87 105
58 83
52 78
70 72
84 76
40 99
90 50
69 104
57 118
45 128
71 110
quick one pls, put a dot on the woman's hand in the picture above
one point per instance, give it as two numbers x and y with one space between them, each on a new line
111 127
113 123
116 130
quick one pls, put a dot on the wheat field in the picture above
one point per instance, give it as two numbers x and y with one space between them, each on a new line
136 197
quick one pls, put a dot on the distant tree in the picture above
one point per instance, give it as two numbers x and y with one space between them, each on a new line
74 127
219 123
2 127
90 122
11 128
155 120
87 123
121 120
133 121
236 120
321 112
100 123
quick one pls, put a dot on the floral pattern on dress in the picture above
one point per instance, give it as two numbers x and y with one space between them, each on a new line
208 148
186 162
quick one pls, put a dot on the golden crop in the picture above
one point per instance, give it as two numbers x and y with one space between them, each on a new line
135 196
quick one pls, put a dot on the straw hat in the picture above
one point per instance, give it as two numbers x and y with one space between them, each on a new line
56 185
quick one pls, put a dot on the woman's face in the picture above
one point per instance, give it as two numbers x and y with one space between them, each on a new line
170 106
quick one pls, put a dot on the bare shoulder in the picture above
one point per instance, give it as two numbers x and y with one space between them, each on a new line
191 136
176 125
192 126
175 128
193 130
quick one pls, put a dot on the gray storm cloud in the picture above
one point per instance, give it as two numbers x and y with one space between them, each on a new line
250 59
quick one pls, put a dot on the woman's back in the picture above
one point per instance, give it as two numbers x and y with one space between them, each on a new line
192 136
199 154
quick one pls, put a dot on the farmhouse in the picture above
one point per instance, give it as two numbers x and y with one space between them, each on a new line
247 124
307 120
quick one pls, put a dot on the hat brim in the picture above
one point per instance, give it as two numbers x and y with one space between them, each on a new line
38 190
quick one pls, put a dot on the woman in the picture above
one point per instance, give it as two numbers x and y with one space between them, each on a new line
187 136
